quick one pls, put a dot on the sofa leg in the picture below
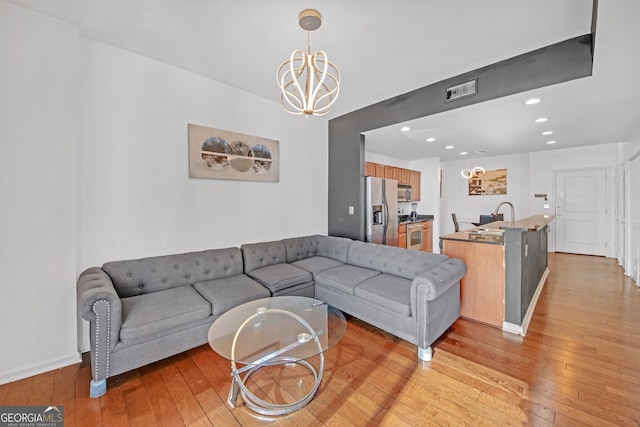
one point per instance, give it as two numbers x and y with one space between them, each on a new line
425 354
97 388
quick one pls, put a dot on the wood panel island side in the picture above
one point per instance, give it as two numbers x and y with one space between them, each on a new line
506 270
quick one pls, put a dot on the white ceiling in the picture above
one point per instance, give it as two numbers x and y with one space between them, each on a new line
384 49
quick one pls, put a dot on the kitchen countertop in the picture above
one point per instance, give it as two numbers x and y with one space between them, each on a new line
403 219
491 233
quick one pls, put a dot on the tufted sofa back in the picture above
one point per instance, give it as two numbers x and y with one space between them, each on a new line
141 276
392 260
257 255
333 247
299 248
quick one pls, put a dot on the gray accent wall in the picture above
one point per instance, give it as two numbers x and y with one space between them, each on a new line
564 61
526 258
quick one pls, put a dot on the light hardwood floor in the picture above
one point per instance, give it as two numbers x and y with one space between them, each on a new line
579 364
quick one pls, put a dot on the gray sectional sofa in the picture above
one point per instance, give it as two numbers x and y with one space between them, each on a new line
144 310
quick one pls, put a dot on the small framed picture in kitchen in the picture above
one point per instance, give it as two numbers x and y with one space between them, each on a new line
223 154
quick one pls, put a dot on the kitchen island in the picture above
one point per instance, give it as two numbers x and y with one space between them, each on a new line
506 270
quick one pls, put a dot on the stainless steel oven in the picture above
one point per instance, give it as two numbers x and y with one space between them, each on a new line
414 236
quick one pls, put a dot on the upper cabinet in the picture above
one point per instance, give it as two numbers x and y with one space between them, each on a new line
403 176
390 172
414 181
369 169
379 170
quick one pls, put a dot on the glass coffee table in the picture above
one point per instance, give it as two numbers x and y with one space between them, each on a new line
275 331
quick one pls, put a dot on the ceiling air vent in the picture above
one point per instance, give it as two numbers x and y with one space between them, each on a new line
461 90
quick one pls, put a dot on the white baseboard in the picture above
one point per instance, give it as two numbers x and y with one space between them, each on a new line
7 377
522 329
512 328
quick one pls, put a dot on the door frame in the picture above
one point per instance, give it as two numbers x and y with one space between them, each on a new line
609 207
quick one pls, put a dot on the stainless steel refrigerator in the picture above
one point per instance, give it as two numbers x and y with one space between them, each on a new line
381 210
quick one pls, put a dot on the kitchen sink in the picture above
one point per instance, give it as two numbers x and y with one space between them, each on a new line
488 231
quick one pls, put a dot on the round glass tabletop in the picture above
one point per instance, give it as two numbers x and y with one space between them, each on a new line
288 326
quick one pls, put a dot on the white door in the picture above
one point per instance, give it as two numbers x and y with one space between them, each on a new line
634 220
581 211
620 216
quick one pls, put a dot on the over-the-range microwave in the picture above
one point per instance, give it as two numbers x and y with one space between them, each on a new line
404 193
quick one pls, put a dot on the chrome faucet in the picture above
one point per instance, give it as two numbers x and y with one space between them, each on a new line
513 215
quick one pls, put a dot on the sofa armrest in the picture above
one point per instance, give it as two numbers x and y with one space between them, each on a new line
437 280
99 303
435 302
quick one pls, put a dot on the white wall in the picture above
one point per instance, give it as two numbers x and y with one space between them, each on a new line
137 198
38 193
104 136
633 147
456 198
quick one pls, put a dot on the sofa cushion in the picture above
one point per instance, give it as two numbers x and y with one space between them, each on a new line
226 293
259 255
317 263
400 262
344 277
280 276
144 315
153 274
388 292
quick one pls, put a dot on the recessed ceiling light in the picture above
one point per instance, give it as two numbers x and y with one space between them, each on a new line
532 101
550 142
541 120
547 132
431 139
405 129
449 147
463 153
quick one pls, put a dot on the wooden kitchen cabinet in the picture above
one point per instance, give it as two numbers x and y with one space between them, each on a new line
427 236
414 181
402 236
403 176
369 169
390 172
482 287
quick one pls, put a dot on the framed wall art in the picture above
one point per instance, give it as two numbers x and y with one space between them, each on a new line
492 182
222 154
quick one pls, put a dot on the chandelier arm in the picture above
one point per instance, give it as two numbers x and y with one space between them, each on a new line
330 92
287 82
289 96
478 171
321 78
296 72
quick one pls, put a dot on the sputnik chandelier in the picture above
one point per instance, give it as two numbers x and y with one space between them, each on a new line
476 172
309 82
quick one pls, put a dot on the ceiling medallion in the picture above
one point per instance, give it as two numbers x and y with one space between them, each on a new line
309 82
